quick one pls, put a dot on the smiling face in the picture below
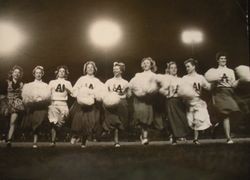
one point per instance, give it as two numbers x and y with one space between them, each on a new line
61 73
146 65
173 69
16 74
90 69
117 71
38 74
222 61
190 67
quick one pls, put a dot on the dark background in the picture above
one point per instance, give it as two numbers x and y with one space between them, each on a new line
58 29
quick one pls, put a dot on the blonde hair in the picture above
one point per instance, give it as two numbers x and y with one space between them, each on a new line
167 70
152 62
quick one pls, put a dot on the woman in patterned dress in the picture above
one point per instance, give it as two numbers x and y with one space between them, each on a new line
15 104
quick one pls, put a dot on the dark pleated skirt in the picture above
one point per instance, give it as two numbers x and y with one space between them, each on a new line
86 120
176 113
158 110
34 117
117 117
224 101
143 111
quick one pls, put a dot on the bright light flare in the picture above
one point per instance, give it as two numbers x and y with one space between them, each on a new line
11 38
105 33
192 36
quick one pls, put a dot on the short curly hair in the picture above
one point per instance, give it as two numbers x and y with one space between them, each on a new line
62 67
219 54
13 69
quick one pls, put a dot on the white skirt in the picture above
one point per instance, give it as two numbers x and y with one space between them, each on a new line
58 112
197 114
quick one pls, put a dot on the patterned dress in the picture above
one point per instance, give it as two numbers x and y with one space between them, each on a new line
14 90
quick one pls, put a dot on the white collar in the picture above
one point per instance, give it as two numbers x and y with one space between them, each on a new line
38 80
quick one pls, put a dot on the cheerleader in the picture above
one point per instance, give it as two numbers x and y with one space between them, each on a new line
86 111
174 106
143 86
14 100
197 113
223 94
58 110
36 98
116 115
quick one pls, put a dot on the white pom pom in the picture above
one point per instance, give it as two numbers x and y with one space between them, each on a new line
85 97
27 94
100 93
143 84
111 99
164 82
186 90
86 100
34 93
42 92
243 73
212 75
152 86
136 85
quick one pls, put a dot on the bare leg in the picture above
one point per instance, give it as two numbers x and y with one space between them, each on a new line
35 139
116 136
226 125
196 135
53 135
144 136
13 119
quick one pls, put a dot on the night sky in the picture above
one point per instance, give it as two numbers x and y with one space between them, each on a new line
57 31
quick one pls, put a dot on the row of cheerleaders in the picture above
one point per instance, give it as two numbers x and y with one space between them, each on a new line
100 106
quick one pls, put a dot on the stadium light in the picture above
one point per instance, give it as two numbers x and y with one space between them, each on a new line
11 38
105 33
192 37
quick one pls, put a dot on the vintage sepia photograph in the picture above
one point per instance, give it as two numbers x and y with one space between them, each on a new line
124 89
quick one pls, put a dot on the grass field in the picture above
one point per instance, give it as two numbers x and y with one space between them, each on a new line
213 159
